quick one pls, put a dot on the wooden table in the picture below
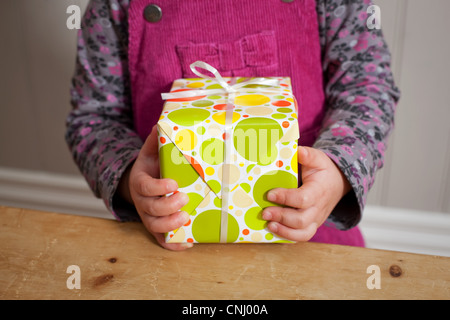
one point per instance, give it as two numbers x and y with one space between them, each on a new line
121 261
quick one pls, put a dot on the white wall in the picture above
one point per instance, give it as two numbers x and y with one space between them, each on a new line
417 172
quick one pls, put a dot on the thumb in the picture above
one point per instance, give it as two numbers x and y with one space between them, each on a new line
150 146
311 158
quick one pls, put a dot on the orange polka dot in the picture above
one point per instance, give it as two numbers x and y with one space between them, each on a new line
175 128
220 106
281 103
190 240
188 223
162 139
245 232
279 163
285 124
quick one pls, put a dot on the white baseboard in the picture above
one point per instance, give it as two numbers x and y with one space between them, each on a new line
49 192
407 230
383 228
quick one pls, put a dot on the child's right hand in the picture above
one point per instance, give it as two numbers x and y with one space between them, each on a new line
141 186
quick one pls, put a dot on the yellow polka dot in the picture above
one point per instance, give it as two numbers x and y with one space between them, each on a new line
186 139
195 85
251 100
171 106
220 117
233 171
259 111
256 236
209 171
241 199
161 117
250 178
230 207
241 164
286 153
290 100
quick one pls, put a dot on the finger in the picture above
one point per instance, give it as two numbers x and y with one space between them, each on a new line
171 246
303 197
312 158
293 234
162 206
166 223
292 218
147 186
150 146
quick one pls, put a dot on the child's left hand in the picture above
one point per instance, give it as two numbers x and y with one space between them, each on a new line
307 207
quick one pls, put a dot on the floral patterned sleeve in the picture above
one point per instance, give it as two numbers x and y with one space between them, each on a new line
361 98
359 87
100 131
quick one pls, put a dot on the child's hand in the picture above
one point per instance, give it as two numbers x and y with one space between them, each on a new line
142 187
310 205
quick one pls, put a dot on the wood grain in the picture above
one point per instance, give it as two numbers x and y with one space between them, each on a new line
121 261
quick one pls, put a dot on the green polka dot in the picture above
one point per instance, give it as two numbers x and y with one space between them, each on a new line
269 181
214 86
215 186
202 103
212 150
279 97
278 116
288 168
247 188
255 139
189 116
254 85
214 97
194 200
201 130
284 110
217 202
175 166
268 236
206 227
253 219
250 167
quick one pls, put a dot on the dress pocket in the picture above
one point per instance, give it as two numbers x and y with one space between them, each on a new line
249 56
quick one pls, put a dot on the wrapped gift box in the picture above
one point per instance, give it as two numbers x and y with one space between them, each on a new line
262 155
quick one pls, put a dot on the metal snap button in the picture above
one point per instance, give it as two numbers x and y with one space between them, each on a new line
152 13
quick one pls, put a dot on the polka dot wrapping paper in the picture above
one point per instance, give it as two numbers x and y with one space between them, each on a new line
265 132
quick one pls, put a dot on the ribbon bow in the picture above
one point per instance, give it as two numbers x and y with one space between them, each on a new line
231 91
226 88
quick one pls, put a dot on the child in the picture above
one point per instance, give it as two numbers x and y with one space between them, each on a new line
130 52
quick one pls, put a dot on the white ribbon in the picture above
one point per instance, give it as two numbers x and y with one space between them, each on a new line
231 91
226 88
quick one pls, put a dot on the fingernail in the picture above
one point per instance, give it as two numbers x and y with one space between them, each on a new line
273 227
271 196
172 186
267 215
183 199
184 217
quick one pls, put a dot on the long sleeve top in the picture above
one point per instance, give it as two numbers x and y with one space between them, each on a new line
360 92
